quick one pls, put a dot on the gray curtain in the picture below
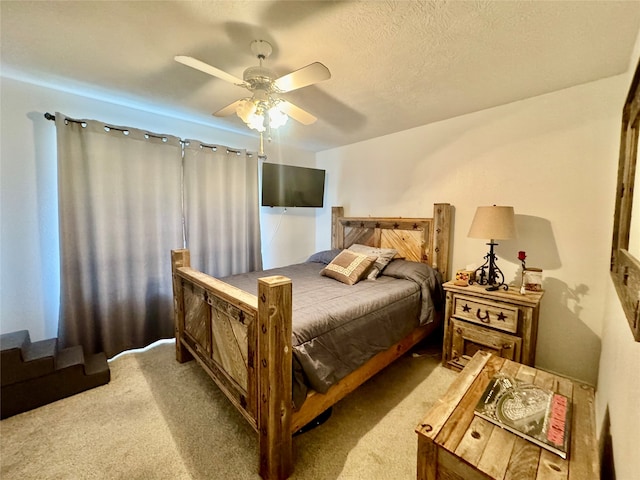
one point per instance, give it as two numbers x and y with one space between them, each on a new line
221 209
120 215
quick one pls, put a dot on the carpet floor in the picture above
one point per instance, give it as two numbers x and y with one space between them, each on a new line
158 419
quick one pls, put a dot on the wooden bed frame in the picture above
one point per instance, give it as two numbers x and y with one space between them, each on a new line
244 341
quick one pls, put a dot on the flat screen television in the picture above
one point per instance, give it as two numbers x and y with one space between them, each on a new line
289 186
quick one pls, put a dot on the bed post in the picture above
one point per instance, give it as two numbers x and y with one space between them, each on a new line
179 258
337 229
274 384
441 238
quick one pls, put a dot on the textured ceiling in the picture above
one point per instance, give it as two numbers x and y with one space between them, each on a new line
394 64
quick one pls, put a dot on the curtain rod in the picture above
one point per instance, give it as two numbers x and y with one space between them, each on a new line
52 117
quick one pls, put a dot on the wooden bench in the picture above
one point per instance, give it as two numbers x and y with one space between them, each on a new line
453 443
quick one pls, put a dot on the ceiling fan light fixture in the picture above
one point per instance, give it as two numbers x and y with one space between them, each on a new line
256 122
277 118
246 109
252 111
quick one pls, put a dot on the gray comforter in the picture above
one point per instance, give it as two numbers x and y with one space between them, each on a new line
338 327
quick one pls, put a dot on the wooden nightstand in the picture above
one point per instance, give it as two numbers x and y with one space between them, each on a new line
504 323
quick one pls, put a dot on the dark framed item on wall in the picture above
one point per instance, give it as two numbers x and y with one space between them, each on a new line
625 249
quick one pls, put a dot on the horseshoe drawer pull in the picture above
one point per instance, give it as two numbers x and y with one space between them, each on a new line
485 318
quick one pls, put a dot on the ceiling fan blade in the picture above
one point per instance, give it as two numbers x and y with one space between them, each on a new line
313 73
228 110
297 113
206 68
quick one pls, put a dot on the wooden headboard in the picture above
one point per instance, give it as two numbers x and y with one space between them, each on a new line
424 240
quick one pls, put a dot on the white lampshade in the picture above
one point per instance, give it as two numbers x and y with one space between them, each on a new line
245 109
493 223
253 116
277 118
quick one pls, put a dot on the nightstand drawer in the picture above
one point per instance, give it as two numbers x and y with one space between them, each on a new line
467 339
485 312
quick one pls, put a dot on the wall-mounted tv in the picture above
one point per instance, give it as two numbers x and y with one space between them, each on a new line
289 186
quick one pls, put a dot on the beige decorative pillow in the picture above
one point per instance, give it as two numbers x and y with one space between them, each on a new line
383 257
348 267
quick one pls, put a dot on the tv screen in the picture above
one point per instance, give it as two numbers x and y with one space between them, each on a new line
289 186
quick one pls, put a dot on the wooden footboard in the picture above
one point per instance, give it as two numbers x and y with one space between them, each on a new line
244 342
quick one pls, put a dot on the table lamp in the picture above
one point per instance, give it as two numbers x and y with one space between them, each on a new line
492 223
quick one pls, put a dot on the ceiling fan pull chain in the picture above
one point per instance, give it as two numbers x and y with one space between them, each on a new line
261 152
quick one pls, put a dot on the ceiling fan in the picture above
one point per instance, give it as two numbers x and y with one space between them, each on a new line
265 109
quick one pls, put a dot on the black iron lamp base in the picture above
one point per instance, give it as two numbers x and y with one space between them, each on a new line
489 274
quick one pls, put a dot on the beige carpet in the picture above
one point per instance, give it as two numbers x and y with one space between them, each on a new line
158 419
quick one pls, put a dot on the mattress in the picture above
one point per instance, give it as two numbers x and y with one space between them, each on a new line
337 327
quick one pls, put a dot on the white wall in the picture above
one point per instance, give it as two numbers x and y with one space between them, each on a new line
29 281
619 380
619 389
552 157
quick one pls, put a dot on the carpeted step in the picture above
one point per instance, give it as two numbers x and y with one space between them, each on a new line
70 357
22 360
64 382
41 349
96 366
9 341
35 374
93 365
11 345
